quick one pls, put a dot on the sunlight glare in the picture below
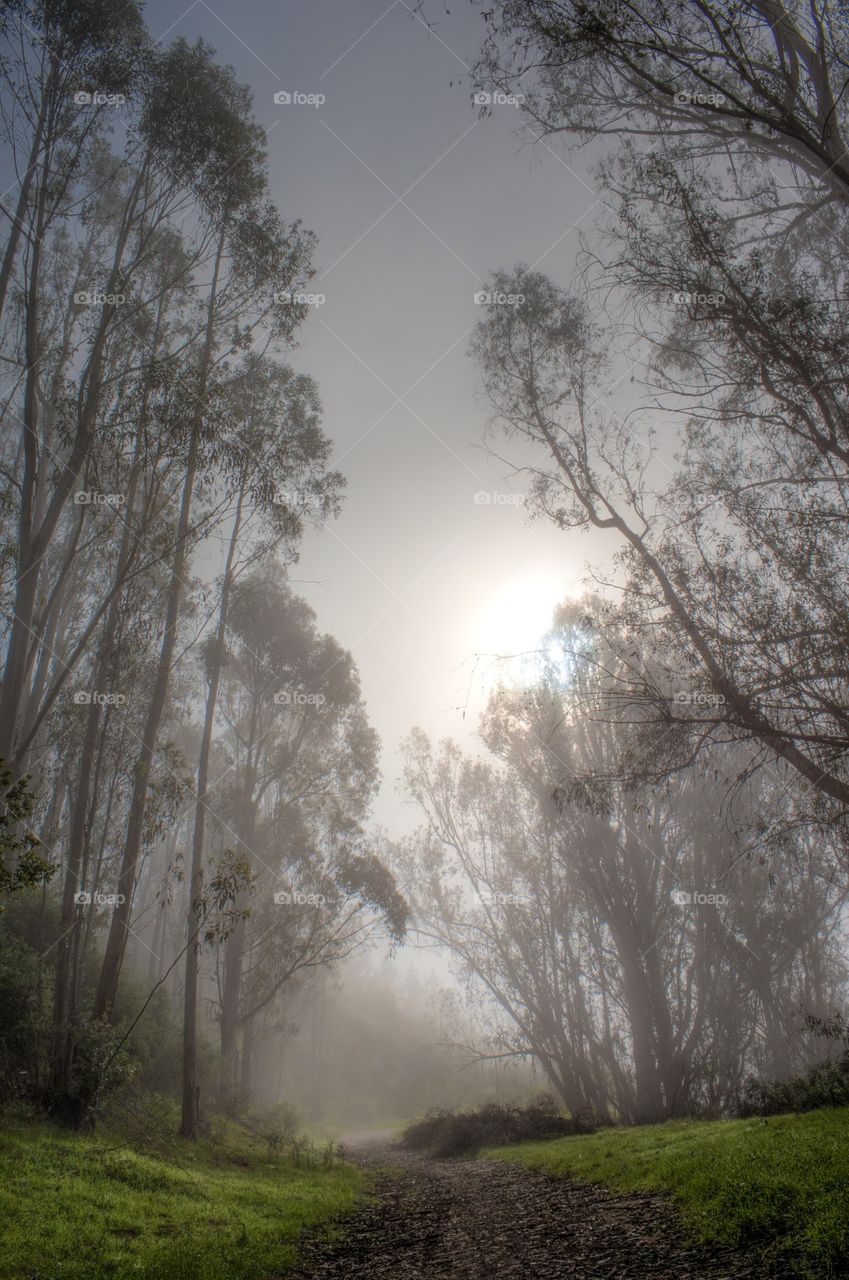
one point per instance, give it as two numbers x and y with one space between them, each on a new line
511 623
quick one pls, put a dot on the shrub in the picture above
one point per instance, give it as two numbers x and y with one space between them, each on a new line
454 1133
277 1126
149 1120
23 1019
101 1065
824 1085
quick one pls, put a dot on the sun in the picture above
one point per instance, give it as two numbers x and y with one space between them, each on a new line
510 625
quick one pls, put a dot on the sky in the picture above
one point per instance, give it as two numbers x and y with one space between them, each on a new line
415 200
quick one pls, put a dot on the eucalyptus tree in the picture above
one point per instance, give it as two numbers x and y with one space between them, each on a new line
272 456
635 939
776 678
304 769
119 348
724 260
256 259
106 216
147 307
57 57
763 78
699 903
48 334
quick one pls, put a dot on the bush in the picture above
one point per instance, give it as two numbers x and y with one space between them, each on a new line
101 1065
23 1018
276 1126
156 1041
455 1133
148 1120
824 1085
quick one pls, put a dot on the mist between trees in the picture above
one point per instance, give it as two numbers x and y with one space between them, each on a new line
642 882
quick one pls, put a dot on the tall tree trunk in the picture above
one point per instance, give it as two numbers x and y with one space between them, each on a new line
649 1105
191 1090
11 250
248 1036
65 987
317 1046
157 943
234 951
34 542
233 957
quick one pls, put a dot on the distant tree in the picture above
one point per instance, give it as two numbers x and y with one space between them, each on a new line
558 890
273 454
304 768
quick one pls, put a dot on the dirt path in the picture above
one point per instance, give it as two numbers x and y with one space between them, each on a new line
482 1220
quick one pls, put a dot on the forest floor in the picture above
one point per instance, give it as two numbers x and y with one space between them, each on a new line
479 1218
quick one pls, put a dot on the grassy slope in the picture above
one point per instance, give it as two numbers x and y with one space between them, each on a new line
84 1207
780 1186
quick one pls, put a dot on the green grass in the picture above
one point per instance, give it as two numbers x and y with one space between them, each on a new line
780 1187
85 1207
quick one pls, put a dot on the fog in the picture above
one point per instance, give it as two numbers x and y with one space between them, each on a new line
414 200
424 565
